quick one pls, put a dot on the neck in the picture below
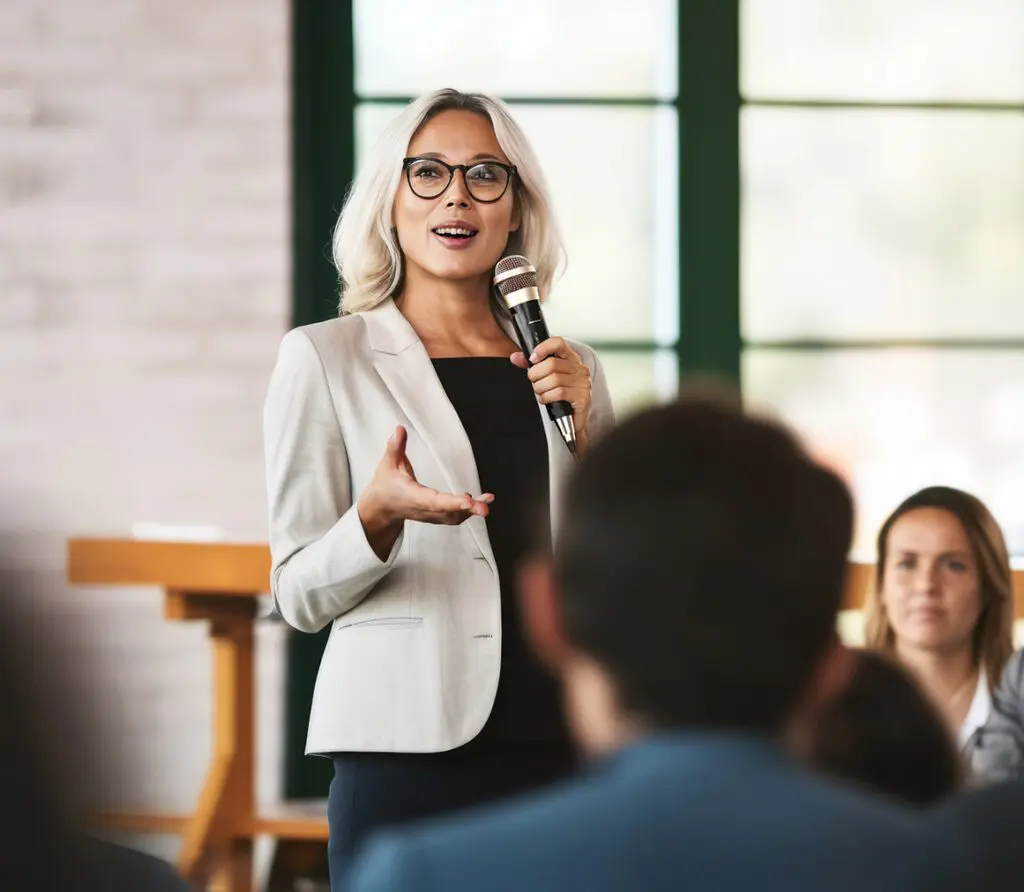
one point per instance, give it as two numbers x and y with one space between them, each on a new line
447 311
948 677
598 723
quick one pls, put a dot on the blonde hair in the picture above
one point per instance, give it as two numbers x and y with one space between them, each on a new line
993 634
366 249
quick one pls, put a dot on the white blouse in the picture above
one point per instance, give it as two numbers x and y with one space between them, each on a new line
977 715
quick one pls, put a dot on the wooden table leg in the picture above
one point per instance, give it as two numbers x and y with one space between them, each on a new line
218 842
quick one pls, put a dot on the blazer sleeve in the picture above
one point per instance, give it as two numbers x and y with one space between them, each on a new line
999 752
602 414
322 564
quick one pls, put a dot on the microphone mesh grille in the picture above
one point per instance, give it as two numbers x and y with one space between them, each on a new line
511 262
515 283
526 279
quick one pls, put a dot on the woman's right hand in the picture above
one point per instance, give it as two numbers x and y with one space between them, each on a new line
395 496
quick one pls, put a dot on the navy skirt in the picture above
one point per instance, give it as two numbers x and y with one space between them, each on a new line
375 791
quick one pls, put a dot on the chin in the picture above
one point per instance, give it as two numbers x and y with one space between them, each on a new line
468 269
938 643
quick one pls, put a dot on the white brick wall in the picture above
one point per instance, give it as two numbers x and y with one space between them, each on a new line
143 291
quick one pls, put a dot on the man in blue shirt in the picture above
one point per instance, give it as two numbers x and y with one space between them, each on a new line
689 612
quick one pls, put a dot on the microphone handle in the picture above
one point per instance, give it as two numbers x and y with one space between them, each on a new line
531 331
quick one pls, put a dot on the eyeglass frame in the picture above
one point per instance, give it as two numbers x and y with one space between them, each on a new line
510 169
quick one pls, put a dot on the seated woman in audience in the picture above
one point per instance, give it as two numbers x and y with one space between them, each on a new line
882 732
942 605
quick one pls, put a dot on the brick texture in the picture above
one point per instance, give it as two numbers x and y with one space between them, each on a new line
143 291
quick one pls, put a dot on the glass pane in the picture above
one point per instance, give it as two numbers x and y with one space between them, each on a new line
866 223
530 48
638 378
956 50
620 232
893 421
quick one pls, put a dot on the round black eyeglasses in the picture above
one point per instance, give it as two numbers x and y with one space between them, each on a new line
486 181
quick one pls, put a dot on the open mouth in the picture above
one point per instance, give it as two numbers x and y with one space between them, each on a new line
455 235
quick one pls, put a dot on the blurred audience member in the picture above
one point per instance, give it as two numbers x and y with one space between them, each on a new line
987 825
942 605
41 848
881 731
688 609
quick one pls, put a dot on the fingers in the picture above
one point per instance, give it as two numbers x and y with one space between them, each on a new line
564 370
443 507
553 347
395 453
555 379
396 444
519 360
558 366
569 395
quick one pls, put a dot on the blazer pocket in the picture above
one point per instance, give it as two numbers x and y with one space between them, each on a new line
385 622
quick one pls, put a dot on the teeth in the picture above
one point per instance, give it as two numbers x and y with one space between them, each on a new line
452 230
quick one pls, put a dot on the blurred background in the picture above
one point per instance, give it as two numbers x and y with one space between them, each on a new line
821 200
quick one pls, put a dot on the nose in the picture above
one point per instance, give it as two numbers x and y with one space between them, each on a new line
458 194
926 578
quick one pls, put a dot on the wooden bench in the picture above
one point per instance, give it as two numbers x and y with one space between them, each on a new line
220 583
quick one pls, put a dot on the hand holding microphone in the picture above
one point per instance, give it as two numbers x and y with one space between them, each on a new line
560 378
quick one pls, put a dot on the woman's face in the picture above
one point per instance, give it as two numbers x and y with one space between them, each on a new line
930 584
456 137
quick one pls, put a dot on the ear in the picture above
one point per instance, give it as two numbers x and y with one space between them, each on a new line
541 612
832 675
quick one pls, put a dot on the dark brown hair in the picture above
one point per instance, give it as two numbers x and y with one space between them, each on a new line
883 733
701 558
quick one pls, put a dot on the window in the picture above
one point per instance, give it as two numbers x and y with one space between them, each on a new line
595 92
883 242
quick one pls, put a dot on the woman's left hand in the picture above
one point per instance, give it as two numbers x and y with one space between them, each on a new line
558 373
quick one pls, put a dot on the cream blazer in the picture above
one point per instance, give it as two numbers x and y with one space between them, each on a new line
414 651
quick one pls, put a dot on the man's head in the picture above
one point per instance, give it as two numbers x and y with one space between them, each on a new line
698 572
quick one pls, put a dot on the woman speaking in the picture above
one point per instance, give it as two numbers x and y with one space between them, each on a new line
407 447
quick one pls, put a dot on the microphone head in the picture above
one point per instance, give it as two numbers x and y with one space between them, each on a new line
516 279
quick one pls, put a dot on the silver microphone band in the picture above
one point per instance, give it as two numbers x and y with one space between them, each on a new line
521 296
515 271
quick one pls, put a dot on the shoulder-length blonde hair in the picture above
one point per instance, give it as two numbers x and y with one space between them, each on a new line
993 634
366 249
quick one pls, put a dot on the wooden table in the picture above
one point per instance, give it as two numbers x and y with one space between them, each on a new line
220 583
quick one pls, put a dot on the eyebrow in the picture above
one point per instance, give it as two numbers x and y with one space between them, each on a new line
483 156
905 552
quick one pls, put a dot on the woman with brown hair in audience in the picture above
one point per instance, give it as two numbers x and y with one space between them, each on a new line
942 605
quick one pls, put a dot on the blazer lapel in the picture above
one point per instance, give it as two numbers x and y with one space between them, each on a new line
560 465
405 368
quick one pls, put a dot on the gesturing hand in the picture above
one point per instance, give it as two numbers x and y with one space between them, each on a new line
394 496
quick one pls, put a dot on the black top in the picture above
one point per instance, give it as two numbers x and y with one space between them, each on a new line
498 410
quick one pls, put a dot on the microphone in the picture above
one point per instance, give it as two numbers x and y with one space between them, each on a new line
516 280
